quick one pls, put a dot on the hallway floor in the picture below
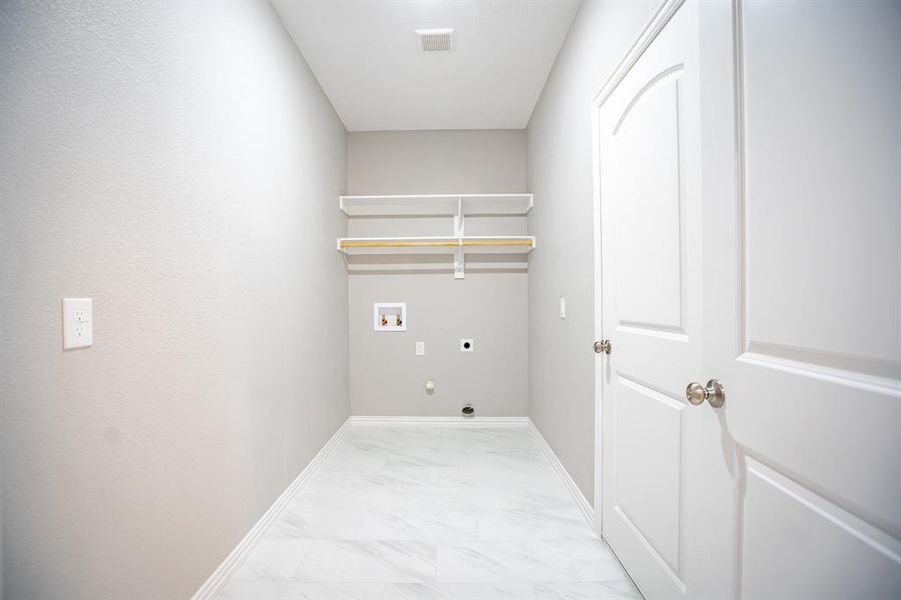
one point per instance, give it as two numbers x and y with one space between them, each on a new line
432 513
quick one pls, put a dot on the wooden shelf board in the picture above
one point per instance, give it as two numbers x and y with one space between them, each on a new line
519 244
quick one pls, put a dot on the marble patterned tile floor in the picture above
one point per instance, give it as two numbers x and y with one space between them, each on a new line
431 513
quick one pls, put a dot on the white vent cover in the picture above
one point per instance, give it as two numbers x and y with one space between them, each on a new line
436 40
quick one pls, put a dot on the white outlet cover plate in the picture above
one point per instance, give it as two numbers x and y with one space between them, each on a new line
78 323
463 343
420 348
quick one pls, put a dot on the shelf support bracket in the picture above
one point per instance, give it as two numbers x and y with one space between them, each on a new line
458 232
459 260
458 219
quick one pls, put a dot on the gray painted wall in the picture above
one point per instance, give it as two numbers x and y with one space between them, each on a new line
178 163
561 373
386 377
436 162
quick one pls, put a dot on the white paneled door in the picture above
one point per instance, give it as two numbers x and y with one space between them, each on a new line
749 231
648 126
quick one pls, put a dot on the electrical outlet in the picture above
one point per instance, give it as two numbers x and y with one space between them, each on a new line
466 345
562 308
420 348
78 323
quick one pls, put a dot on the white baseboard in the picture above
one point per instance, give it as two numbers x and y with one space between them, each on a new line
577 495
367 421
220 577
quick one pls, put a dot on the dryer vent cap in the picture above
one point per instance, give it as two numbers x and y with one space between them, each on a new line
436 40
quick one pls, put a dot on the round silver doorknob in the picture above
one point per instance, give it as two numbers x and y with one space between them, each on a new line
603 346
714 393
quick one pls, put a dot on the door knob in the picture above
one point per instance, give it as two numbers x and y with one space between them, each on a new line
714 393
603 346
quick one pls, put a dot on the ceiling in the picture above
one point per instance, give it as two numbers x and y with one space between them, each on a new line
366 56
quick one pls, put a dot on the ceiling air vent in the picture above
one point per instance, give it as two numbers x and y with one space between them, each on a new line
436 40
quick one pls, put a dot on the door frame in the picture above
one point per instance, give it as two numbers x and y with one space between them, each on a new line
662 15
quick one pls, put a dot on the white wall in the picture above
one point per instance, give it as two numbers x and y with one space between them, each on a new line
386 376
561 361
178 163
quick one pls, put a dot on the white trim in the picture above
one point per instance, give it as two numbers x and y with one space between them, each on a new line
370 421
598 383
654 26
213 586
570 485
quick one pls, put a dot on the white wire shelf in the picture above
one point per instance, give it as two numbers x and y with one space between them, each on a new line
456 252
436 205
